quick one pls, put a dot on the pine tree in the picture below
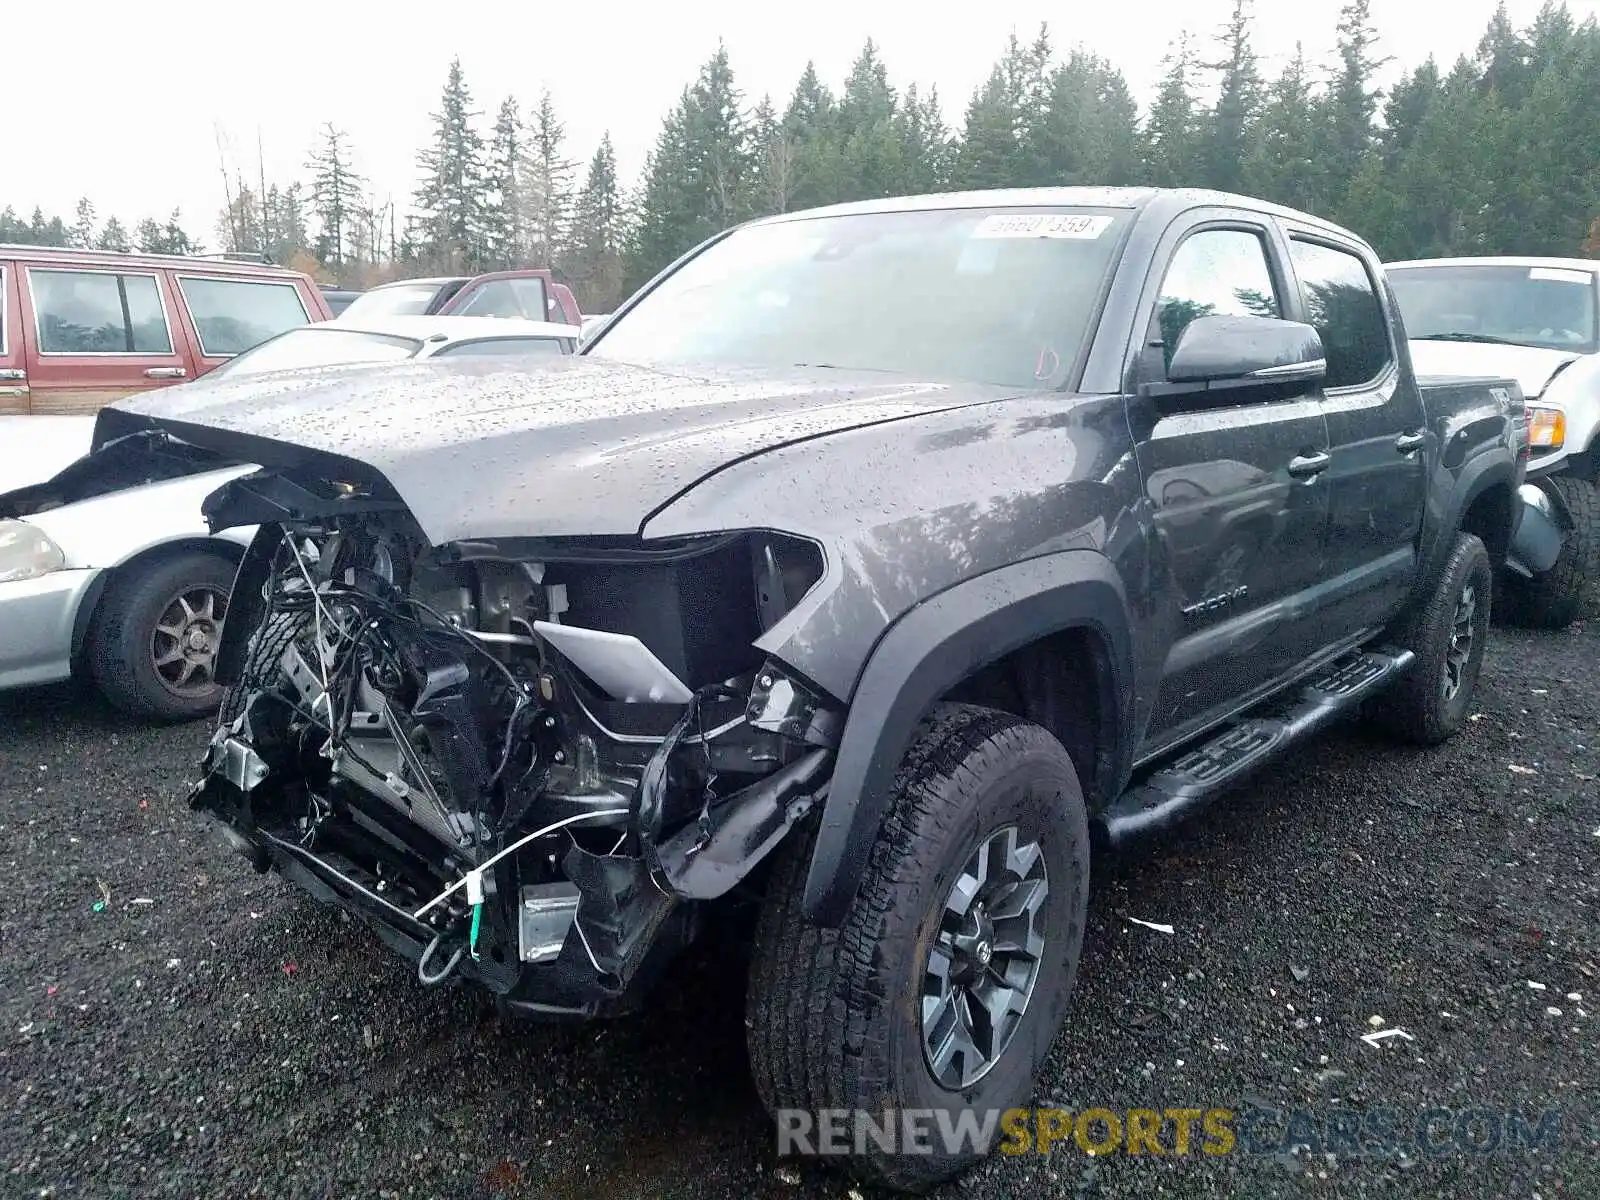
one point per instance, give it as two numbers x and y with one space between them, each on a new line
1346 116
175 240
335 194
809 128
869 151
113 237
1088 133
1172 132
696 180
82 232
1282 161
504 215
286 232
47 231
549 186
1238 104
149 237
1503 59
598 234
774 154
925 145
1000 119
449 228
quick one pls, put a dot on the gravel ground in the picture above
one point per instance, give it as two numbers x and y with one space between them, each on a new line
204 1033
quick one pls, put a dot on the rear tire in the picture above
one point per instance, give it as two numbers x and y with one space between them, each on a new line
1447 633
152 646
1554 599
844 1018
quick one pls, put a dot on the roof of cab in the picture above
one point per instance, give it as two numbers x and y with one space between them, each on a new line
1174 200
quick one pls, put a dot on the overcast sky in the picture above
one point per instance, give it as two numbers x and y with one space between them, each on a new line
123 102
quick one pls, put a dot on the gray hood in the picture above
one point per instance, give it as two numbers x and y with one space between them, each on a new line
574 446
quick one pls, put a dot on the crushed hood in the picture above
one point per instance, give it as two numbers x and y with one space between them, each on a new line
572 446
1531 366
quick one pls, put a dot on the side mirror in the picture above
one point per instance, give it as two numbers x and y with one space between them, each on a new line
1228 354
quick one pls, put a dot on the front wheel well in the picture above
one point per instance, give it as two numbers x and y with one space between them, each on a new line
94 603
1064 682
1489 517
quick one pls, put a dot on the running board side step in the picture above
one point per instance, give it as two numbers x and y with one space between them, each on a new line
1172 793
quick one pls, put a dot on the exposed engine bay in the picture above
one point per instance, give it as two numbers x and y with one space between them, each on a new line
528 766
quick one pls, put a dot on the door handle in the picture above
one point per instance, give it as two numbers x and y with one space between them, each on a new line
164 373
1408 443
13 373
1304 466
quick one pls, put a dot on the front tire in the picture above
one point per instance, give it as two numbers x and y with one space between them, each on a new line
1447 633
1554 599
152 647
967 926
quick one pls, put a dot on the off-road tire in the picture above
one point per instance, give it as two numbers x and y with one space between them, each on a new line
119 644
1416 708
832 1015
1554 599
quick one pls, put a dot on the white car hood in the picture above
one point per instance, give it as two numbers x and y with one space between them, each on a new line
33 449
1530 366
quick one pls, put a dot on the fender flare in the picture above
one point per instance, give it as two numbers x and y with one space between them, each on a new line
1474 481
924 654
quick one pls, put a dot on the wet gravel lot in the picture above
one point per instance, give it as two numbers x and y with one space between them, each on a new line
173 1025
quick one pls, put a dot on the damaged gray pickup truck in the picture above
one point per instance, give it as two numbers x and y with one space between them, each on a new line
871 565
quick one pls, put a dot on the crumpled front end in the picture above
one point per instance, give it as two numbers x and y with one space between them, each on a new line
528 765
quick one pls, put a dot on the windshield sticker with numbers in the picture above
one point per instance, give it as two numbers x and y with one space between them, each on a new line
1042 225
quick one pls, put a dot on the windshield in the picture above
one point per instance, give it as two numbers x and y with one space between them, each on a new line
1005 297
402 300
321 345
1548 307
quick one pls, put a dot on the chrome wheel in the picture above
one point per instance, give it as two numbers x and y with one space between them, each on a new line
984 962
183 647
1459 651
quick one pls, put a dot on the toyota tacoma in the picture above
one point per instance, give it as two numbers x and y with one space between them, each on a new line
869 567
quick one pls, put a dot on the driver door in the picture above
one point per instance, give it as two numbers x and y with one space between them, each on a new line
1234 488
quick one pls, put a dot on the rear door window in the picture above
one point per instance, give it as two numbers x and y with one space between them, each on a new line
98 312
232 315
1342 302
507 298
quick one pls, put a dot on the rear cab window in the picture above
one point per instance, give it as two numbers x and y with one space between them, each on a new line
1341 302
231 315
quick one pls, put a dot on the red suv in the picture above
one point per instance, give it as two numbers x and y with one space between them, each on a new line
82 328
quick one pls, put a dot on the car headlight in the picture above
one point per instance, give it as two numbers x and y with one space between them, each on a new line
26 552
1547 428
